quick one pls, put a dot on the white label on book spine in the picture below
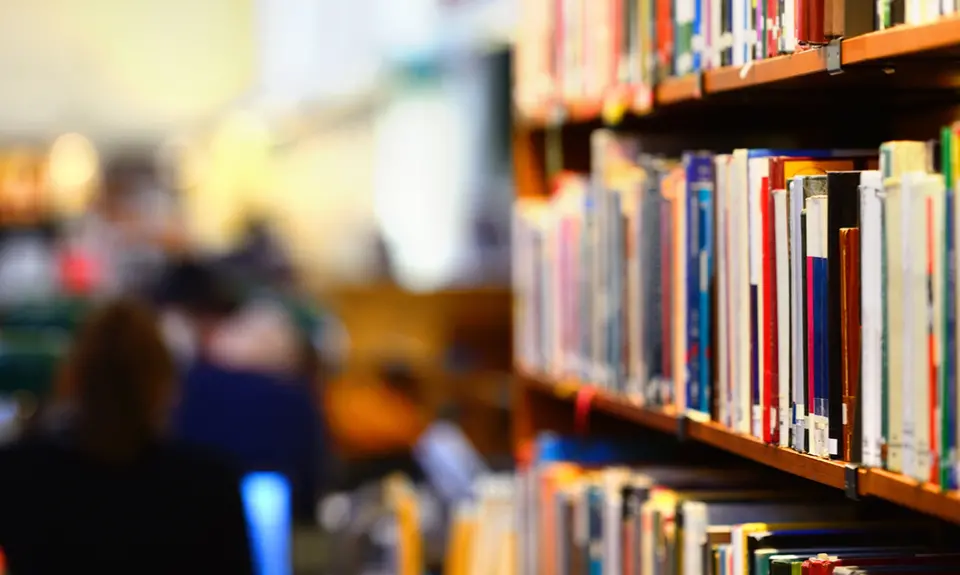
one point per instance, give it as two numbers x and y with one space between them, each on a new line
757 421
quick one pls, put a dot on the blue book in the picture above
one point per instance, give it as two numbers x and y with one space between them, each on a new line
821 341
595 505
699 179
594 452
706 281
691 166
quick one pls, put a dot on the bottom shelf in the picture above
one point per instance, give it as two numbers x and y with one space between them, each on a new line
857 481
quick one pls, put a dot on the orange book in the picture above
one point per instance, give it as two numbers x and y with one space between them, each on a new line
850 334
460 546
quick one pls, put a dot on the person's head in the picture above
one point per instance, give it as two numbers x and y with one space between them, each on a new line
197 291
120 380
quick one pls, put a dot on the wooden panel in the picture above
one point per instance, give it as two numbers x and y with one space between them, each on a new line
902 40
764 71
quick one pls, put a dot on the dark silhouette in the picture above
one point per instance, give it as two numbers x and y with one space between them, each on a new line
264 421
105 490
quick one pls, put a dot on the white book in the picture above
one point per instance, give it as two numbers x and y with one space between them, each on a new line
871 318
684 11
714 45
679 296
757 169
914 358
782 263
797 365
948 7
722 163
739 257
895 322
788 28
740 47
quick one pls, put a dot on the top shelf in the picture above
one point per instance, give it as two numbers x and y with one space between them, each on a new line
873 48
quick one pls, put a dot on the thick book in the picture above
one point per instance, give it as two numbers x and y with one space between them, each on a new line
770 383
850 342
843 193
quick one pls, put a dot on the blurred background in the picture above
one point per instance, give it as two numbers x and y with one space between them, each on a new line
363 146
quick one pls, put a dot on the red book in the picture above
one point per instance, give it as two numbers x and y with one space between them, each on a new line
616 16
810 20
768 347
664 27
773 32
824 565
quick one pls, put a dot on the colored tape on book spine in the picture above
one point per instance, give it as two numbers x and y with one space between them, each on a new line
582 406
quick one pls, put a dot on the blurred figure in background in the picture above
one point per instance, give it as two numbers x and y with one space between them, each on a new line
132 228
244 392
106 489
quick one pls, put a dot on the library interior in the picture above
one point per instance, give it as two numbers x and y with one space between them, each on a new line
662 314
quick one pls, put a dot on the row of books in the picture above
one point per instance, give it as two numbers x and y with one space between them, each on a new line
580 50
482 534
800 296
582 509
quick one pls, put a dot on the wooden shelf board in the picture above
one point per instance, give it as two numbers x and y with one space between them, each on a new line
902 40
911 493
878 483
764 71
820 470
675 90
583 110
567 391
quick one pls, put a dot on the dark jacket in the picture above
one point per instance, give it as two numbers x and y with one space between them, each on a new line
172 510
263 422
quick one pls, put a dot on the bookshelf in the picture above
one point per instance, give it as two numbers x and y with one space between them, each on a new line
879 483
912 58
937 40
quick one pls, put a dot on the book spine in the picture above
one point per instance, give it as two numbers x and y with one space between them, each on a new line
948 445
692 255
767 340
706 273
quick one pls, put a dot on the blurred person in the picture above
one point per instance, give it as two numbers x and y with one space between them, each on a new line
387 429
132 227
105 488
244 393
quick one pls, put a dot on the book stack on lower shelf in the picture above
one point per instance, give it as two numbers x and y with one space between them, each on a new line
805 298
589 506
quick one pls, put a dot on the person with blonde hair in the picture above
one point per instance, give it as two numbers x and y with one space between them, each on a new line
107 489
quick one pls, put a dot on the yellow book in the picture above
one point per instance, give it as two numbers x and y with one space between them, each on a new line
402 498
462 534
